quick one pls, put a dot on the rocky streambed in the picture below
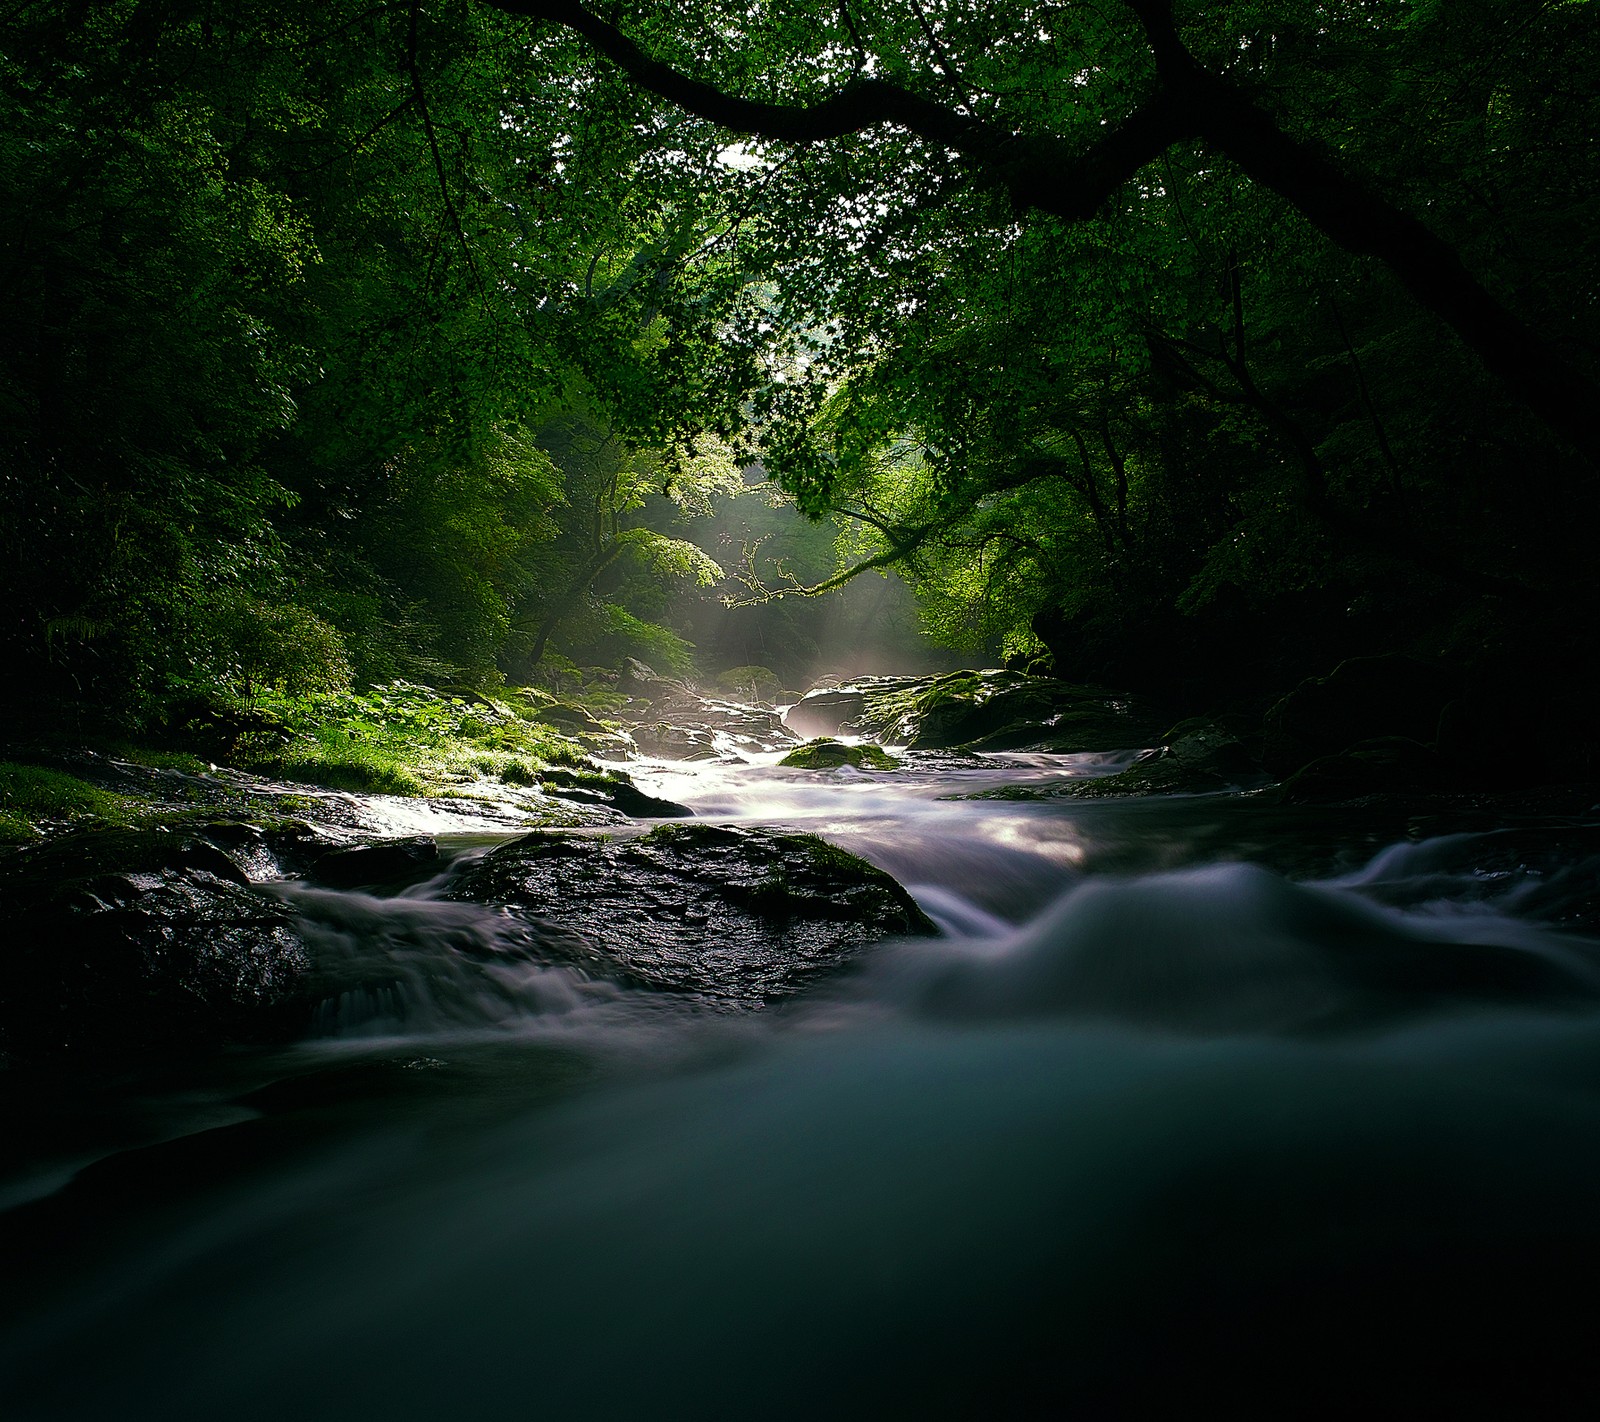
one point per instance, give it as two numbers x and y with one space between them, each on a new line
941 1045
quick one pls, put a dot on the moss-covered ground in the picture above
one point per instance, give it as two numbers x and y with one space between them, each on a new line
401 739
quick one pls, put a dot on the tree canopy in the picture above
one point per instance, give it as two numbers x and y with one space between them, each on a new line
368 340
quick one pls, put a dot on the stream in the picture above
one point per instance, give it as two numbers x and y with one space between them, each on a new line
1197 1102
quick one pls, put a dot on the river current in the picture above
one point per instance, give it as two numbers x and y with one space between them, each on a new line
1154 1127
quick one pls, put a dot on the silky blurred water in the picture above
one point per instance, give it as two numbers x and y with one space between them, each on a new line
1196 1105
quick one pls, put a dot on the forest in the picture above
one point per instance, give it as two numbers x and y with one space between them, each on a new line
1184 352
761 708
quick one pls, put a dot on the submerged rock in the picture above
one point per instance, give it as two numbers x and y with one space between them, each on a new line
1234 948
735 917
829 754
1196 758
121 939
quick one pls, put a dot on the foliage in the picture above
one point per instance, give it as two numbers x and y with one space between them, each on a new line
400 738
353 343
291 293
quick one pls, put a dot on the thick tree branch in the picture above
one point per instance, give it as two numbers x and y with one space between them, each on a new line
1041 171
1072 181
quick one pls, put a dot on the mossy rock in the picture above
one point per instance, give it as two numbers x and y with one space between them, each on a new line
754 683
732 917
34 795
1201 759
566 717
829 754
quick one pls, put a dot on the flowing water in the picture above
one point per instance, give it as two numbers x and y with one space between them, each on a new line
1196 1104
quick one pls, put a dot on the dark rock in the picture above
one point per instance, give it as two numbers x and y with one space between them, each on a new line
978 710
826 754
825 713
1363 699
368 864
1389 765
633 801
123 939
734 917
613 791
1004 710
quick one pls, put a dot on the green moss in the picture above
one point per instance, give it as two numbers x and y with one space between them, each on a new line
30 793
830 856
829 754
348 767
185 761
405 740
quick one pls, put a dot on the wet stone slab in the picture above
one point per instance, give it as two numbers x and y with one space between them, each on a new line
733 917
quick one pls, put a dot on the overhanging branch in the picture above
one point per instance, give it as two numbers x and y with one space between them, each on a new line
1073 181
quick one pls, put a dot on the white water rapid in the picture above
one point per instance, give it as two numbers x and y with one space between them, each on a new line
1197 1105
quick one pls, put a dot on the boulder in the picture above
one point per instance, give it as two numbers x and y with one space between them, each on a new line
616 792
977 710
1362 699
124 939
750 683
828 754
993 711
668 742
564 716
732 917
1386 765
826 712
388 862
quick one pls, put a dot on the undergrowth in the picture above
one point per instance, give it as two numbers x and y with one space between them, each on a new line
401 739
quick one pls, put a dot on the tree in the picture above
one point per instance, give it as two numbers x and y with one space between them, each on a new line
1074 175
1050 248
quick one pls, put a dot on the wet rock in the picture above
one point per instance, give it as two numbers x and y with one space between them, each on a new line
1385 766
695 727
828 754
122 939
390 862
826 712
613 791
668 742
1197 758
1362 699
734 917
283 849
